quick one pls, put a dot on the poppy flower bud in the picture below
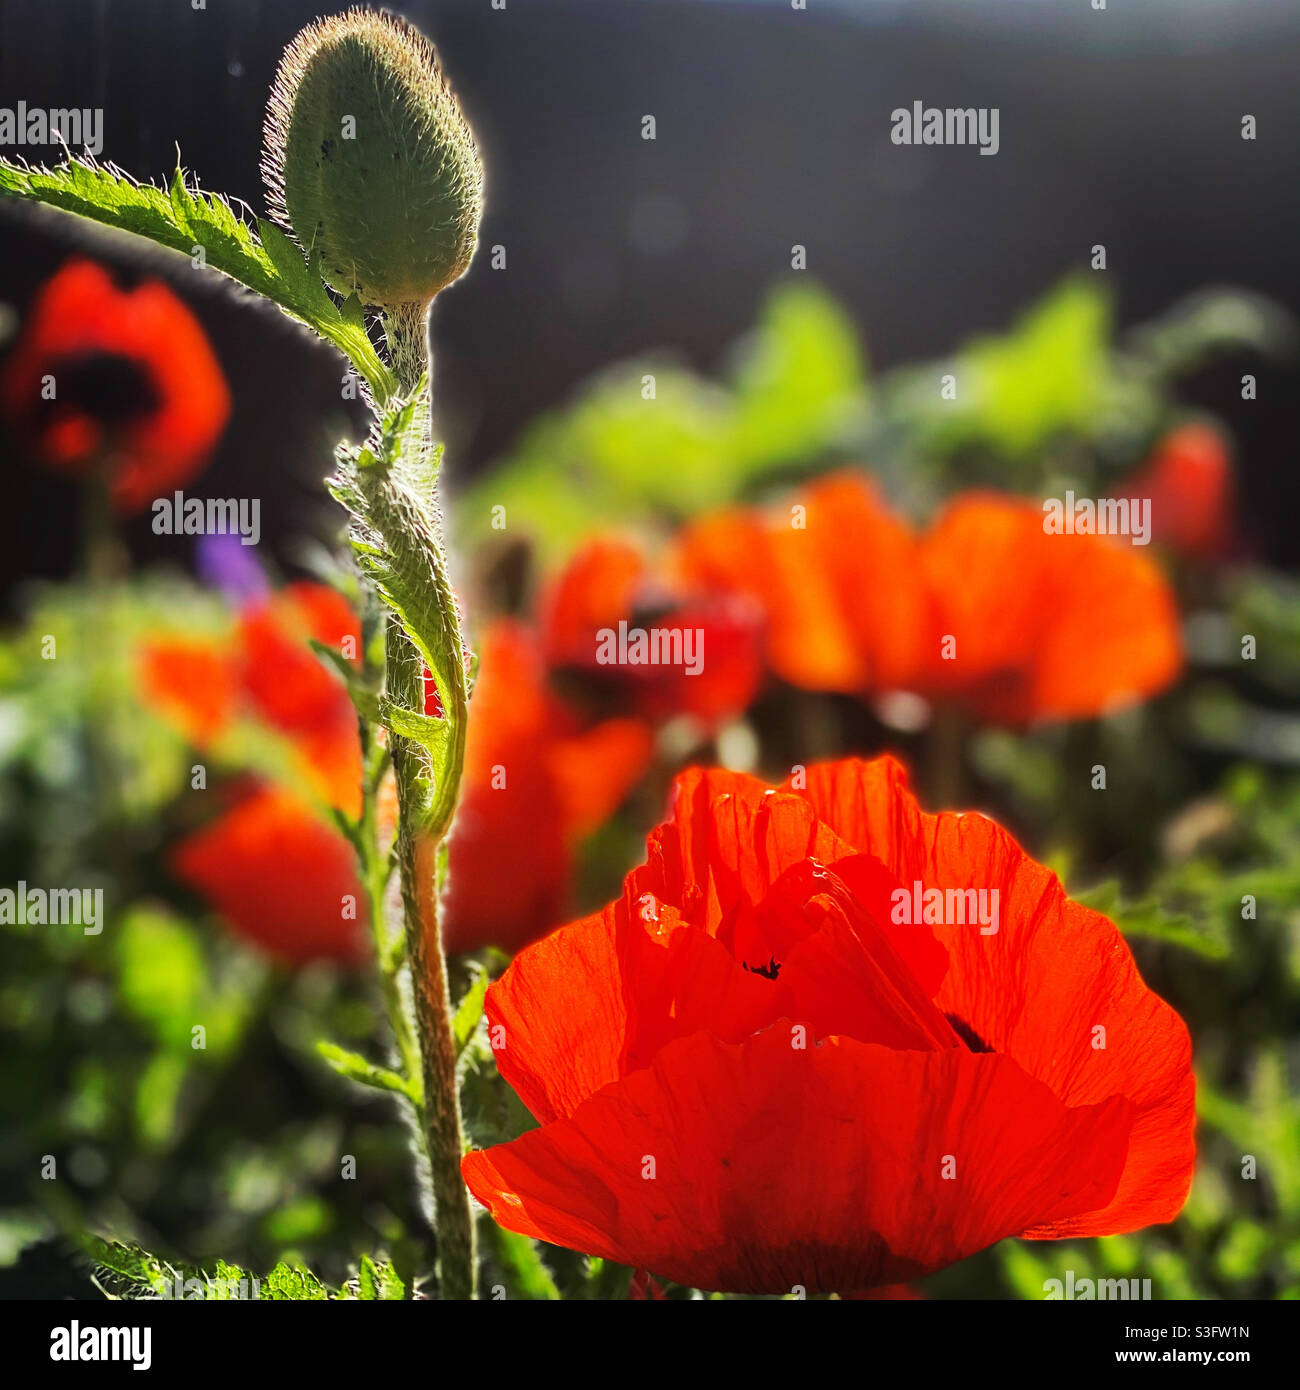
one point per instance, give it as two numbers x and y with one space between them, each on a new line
370 162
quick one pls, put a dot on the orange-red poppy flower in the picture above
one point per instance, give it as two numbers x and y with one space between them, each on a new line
1189 482
752 1074
273 865
836 577
984 607
268 671
653 646
1032 626
281 875
119 380
535 783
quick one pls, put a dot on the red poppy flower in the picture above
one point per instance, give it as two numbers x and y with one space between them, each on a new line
535 783
193 683
137 389
293 690
751 1076
835 578
984 608
273 865
607 599
269 672
1189 482
281 876
1032 626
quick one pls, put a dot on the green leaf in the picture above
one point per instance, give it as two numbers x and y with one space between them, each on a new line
379 1282
617 455
287 1284
186 219
470 1010
356 1068
131 1273
521 1262
803 381
423 728
1147 918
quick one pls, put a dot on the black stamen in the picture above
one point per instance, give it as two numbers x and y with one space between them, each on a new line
769 971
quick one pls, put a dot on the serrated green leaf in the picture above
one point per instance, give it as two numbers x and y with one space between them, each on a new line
130 1273
287 1284
378 1281
184 219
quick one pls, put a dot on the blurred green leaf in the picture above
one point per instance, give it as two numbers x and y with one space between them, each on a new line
651 438
356 1068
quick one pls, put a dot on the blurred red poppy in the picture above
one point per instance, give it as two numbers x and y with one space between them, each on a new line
751 1074
983 608
122 381
835 579
536 781
1189 481
608 593
1031 626
281 875
269 672
273 865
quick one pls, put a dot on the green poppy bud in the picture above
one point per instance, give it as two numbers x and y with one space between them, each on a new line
369 161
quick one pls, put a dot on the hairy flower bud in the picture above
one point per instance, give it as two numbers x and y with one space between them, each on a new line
370 162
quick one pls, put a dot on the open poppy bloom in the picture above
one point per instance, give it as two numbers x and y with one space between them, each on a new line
122 380
984 608
809 1047
535 782
649 644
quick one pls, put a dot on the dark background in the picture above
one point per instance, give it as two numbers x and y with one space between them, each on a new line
1120 126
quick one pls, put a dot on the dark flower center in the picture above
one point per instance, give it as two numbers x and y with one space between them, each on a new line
104 385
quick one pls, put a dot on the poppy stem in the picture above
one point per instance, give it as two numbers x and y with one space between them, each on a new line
418 854
947 783
428 786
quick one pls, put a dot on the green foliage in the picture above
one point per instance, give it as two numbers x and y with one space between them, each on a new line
379 1282
185 219
470 1009
796 393
1050 374
356 1068
1054 400
129 1272
1149 919
523 1272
